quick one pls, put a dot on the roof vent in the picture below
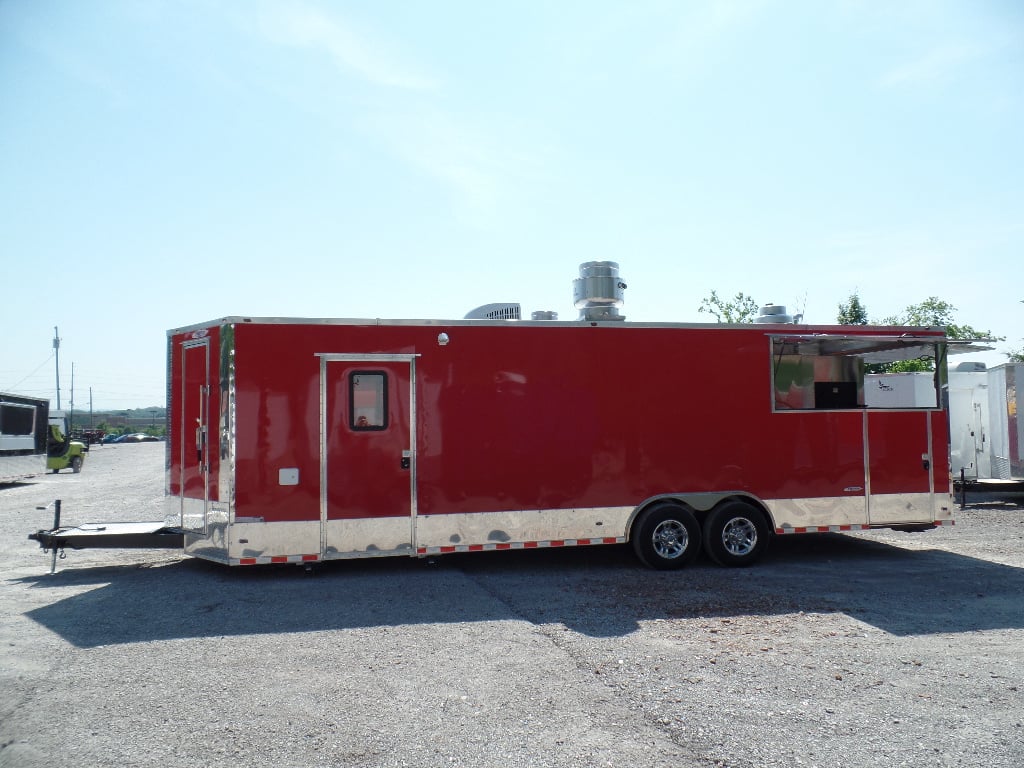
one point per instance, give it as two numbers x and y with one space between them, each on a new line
776 313
598 291
500 311
972 366
543 314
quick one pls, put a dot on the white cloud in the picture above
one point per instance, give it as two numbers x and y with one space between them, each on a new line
77 63
473 158
480 165
354 51
932 66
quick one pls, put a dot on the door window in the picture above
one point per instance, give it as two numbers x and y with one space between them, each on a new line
368 400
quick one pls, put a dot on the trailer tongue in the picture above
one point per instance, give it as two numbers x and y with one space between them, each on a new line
151 535
156 535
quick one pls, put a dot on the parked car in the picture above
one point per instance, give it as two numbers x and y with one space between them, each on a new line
138 437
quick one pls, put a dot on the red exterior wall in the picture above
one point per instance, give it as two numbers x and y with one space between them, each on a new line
519 417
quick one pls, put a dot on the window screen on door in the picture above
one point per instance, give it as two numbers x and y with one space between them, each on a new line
368 400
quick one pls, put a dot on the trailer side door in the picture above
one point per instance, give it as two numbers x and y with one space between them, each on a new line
194 435
899 459
367 455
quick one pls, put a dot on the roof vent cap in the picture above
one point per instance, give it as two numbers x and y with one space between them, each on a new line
972 366
499 311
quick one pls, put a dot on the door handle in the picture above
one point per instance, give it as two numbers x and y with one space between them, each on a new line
405 462
926 461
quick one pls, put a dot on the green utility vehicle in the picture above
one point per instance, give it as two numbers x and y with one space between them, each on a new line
61 451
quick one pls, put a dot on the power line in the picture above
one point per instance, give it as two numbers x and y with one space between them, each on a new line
15 386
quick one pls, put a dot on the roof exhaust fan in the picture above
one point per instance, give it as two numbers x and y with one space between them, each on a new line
598 291
776 313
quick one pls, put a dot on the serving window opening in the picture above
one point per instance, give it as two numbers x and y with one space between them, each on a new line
17 427
368 401
843 372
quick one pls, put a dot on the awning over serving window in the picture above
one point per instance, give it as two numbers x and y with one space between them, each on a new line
873 349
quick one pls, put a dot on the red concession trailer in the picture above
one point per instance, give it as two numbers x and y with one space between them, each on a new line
305 440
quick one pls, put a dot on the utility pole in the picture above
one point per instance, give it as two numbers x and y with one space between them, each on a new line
71 416
91 425
56 355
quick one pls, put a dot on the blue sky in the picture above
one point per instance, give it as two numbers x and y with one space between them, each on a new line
166 163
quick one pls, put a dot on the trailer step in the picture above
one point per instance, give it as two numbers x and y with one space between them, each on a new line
983 491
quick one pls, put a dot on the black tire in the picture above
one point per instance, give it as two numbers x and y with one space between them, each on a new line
76 464
666 536
735 534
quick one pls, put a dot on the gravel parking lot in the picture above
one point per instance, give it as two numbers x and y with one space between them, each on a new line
836 650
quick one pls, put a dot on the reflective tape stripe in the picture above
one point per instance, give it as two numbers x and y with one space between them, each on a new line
823 529
275 559
841 528
449 549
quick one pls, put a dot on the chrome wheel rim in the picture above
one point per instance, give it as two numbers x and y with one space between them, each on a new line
739 536
670 539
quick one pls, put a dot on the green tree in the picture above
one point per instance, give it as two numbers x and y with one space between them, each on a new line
901 366
1016 355
740 309
932 312
852 312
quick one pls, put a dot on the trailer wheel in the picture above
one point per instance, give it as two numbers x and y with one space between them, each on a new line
666 536
76 464
735 534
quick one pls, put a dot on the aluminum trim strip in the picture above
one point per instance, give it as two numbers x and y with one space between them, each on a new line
356 357
413 453
826 514
271 543
867 467
931 461
817 512
502 527
902 508
204 405
374 535
933 334
323 455
227 480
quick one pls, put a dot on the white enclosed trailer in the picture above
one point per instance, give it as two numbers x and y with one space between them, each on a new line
986 433
1006 437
